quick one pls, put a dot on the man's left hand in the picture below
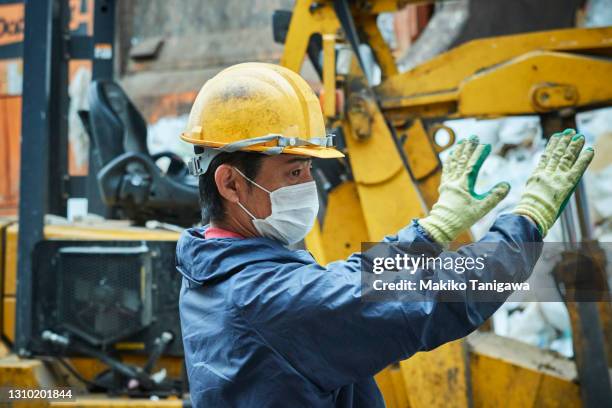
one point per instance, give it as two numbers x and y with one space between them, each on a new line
459 206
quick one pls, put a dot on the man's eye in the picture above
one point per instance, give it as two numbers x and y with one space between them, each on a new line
296 173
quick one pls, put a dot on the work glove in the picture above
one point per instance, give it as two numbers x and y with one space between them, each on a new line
459 206
555 178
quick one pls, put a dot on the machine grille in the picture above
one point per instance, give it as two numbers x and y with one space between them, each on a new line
104 293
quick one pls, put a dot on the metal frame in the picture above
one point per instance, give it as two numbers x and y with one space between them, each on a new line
44 180
104 32
588 332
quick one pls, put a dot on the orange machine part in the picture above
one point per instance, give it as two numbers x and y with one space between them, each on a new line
10 130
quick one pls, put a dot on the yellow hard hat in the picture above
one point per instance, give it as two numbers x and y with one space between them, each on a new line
257 107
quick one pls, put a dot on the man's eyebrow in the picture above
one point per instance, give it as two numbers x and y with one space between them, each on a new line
299 159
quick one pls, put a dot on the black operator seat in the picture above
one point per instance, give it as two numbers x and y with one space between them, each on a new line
127 174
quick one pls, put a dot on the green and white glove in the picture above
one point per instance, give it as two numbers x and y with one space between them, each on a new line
553 181
459 206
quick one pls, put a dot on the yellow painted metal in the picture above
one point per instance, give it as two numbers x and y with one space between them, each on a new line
378 6
6 252
16 373
380 48
383 192
384 218
510 87
129 346
104 231
384 381
399 387
518 74
444 73
343 227
437 379
546 96
381 6
360 111
90 368
6 221
509 373
9 304
8 267
108 230
316 16
376 182
391 384
314 242
422 156
329 75
433 130
304 23
436 104
9 260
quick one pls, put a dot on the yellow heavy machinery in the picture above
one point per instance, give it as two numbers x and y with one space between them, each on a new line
94 306
388 132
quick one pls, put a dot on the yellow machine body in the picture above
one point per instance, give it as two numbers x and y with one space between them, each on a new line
35 373
523 74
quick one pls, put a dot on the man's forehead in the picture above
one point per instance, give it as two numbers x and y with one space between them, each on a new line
287 159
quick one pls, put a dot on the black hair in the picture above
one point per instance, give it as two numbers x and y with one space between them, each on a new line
211 201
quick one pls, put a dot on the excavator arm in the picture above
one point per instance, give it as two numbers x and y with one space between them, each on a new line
386 127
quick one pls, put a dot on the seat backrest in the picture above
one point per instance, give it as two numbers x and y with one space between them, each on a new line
116 125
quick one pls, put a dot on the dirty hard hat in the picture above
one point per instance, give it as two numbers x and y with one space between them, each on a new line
257 107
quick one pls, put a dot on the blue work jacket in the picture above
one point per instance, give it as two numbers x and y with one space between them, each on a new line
266 326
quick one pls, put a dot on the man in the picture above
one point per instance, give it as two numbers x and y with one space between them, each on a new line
264 325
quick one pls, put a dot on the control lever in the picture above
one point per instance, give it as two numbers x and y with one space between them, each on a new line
128 371
160 345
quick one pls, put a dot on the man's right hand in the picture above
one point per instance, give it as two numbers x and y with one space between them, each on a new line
553 181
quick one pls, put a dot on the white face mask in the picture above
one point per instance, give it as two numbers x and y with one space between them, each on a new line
294 210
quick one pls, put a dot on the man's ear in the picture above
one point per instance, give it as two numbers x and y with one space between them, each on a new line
226 181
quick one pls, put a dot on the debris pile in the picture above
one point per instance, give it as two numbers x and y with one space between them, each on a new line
517 144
